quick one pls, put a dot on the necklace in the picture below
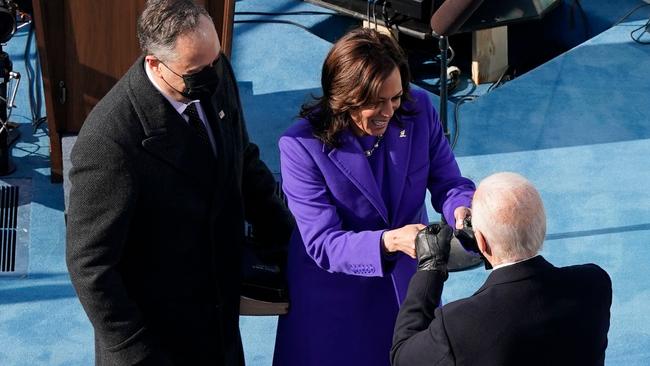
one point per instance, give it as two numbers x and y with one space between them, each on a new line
375 146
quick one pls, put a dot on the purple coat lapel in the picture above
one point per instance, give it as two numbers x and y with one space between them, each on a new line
352 162
398 139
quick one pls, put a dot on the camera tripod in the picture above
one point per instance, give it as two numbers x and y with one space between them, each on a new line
6 74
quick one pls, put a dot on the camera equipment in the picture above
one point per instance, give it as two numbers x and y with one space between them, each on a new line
6 74
466 238
8 11
463 253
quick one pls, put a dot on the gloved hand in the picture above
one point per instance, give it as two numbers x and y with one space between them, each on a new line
466 236
432 246
467 239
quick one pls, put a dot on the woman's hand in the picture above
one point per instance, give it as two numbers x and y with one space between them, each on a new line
402 239
460 213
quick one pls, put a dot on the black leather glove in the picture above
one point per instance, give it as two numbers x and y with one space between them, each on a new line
466 236
467 239
432 246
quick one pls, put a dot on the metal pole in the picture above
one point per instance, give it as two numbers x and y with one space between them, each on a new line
459 258
443 44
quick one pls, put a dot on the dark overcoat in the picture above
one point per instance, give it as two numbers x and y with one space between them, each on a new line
528 313
156 223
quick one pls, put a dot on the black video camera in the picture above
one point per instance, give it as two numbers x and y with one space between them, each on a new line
466 238
8 10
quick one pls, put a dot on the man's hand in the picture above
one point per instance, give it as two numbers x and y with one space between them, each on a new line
432 245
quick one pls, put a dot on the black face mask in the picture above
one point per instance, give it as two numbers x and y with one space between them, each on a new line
202 84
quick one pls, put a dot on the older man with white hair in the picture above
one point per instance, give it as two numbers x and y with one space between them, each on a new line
528 312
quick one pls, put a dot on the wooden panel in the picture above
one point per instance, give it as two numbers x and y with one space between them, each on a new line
101 46
223 14
489 54
392 32
50 41
87 46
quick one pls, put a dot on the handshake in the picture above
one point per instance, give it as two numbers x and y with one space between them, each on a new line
433 245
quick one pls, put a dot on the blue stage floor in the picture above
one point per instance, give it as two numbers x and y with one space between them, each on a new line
578 127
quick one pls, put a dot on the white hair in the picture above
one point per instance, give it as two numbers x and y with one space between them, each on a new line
509 212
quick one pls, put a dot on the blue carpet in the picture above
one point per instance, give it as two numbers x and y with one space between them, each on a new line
577 126
41 320
595 93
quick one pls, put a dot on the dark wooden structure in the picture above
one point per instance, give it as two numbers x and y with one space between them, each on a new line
84 48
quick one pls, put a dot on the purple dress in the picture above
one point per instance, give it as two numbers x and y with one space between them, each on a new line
344 291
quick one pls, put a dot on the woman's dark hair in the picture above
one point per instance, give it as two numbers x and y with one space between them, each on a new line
352 75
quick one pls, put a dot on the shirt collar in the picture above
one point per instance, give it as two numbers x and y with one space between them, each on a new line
511 263
178 106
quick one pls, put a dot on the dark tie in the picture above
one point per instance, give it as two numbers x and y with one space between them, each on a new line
196 123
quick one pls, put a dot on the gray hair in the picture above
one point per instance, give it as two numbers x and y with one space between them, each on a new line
509 212
163 21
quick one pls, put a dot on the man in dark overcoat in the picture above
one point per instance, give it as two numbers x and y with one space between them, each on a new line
163 179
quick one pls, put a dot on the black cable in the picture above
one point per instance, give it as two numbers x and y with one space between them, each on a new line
644 29
34 82
497 83
38 96
459 102
630 13
384 14
28 69
469 98
368 12
374 13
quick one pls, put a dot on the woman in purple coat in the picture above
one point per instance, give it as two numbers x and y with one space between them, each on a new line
355 170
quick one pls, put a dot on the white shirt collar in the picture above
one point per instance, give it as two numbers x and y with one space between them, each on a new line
511 263
178 106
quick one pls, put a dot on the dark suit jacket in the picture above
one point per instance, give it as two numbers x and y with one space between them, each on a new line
530 313
155 225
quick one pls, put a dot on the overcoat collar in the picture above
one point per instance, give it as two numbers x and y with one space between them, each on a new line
166 135
353 163
516 272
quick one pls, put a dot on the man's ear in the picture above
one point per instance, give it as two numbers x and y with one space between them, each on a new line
482 243
153 62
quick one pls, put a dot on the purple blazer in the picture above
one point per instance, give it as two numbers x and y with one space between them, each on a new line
344 291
